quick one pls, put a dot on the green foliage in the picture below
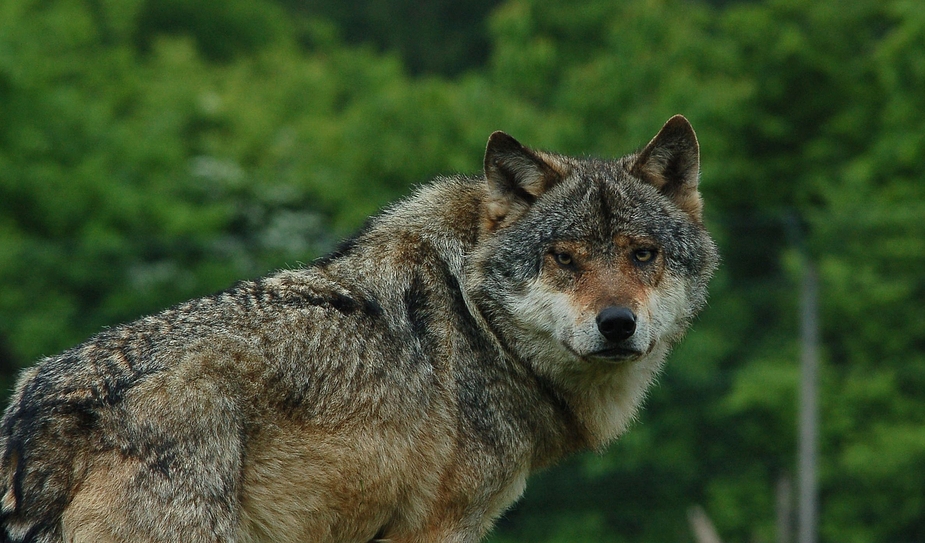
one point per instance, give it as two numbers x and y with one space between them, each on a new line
437 36
156 150
222 29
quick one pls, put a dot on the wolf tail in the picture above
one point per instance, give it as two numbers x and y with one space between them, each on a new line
36 471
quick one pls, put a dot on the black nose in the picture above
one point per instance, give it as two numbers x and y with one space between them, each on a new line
616 323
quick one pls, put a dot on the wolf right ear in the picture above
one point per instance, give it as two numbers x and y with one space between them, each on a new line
671 163
516 177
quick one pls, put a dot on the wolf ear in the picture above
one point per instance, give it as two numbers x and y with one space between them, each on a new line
671 163
516 177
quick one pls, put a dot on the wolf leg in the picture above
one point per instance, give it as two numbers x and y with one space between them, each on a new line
173 471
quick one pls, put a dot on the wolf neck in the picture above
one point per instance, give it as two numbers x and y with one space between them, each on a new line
607 399
600 399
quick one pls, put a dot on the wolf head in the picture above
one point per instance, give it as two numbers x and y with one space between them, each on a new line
586 266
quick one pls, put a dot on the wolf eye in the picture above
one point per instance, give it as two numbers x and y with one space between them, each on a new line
643 255
564 259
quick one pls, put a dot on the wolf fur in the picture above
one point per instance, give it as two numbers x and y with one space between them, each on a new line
399 389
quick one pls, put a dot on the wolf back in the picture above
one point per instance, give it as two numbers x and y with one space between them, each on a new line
400 389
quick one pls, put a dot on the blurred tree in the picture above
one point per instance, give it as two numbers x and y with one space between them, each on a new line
220 28
431 36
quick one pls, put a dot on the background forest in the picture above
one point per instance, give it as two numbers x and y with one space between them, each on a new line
156 150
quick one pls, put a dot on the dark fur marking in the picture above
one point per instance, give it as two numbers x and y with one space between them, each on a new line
291 403
342 303
339 302
458 304
522 193
475 389
162 459
372 307
31 535
417 303
16 446
423 297
476 407
420 306
607 217
674 172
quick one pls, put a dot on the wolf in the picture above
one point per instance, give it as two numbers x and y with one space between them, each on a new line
401 388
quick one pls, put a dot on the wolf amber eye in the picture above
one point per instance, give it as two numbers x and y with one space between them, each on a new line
564 259
643 255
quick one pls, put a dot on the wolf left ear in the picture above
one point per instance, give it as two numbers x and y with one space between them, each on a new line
671 163
516 177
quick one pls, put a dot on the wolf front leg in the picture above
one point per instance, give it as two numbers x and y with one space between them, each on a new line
468 517
437 534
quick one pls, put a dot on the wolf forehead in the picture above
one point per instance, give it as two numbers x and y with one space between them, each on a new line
601 197
599 201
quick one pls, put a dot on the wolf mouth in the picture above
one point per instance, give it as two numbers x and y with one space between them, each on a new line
616 354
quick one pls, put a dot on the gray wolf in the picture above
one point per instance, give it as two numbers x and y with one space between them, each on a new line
399 389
